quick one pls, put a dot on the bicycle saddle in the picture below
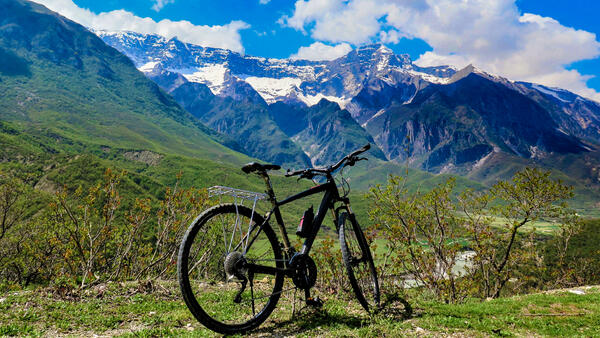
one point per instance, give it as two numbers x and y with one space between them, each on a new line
254 166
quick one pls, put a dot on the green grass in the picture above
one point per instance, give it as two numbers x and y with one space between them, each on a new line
129 310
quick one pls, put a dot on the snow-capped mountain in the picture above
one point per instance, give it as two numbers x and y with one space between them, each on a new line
275 80
438 118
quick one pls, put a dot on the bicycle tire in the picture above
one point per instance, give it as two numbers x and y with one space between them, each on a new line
210 300
358 261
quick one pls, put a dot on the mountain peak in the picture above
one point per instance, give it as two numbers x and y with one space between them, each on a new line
375 49
471 69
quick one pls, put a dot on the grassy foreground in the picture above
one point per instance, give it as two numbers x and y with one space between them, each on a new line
150 310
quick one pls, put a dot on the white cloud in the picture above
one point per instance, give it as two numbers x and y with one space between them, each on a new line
320 51
391 36
264 2
225 36
491 34
312 10
159 4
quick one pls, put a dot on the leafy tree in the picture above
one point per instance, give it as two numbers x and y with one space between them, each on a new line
426 231
88 221
12 206
501 248
422 234
175 213
572 257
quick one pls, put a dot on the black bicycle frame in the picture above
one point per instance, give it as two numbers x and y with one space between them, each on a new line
328 202
330 197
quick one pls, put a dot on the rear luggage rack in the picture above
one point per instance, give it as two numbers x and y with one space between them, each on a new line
219 190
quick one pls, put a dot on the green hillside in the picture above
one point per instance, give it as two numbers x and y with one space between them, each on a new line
70 87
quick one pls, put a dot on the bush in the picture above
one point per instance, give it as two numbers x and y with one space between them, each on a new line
573 256
426 231
422 235
85 236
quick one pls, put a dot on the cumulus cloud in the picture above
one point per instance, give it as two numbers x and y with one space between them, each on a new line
319 51
159 4
264 2
337 21
491 34
225 36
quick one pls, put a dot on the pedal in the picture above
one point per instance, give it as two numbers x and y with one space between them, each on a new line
314 302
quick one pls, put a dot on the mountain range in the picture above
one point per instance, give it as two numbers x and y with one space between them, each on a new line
438 119
155 106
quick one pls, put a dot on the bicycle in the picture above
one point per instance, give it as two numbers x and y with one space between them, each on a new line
231 265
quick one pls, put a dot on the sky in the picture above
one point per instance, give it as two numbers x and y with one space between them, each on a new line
551 42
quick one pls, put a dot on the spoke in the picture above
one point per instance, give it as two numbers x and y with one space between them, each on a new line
237 218
245 237
255 237
224 232
250 225
261 256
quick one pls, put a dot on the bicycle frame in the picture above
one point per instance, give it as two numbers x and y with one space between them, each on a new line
328 201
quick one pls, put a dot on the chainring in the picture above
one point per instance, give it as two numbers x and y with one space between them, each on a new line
304 269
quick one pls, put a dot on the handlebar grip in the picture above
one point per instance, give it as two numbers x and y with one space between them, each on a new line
361 150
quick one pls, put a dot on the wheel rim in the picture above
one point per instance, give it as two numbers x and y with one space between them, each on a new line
221 244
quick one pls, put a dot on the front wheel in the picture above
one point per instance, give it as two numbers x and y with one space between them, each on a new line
230 281
358 261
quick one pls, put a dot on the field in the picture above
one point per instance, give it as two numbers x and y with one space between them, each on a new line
147 310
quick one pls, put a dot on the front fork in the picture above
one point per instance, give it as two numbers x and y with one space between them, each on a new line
335 212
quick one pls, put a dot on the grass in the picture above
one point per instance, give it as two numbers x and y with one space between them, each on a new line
132 309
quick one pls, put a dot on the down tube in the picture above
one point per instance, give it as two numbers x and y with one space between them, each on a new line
325 202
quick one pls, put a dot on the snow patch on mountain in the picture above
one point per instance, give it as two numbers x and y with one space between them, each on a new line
429 77
548 92
211 75
148 67
272 89
311 100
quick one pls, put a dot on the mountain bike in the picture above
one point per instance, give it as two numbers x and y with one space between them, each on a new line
231 265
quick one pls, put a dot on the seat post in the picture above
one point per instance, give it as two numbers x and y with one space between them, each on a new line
269 191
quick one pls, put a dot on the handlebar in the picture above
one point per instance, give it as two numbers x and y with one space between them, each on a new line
349 159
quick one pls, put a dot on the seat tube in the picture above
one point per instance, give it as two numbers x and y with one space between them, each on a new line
278 218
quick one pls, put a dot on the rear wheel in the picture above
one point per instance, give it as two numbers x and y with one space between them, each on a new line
219 286
358 261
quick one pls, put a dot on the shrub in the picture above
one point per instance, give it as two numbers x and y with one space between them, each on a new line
422 236
426 231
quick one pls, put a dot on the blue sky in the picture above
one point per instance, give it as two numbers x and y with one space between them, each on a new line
550 42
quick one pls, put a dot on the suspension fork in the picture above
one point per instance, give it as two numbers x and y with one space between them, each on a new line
345 205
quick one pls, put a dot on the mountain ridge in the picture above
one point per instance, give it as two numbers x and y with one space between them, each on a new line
371 82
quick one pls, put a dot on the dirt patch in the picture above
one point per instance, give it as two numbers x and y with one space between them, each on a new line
143 156
555 309
44 184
